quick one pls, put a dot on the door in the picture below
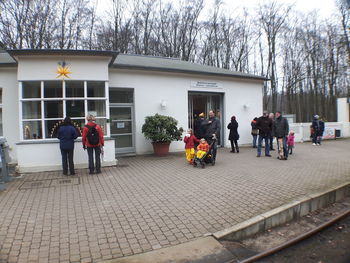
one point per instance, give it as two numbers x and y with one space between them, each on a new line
204 102
121 109
122 128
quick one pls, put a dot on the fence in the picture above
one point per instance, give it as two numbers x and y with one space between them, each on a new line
303 133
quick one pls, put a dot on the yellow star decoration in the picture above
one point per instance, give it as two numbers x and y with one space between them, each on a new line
63 71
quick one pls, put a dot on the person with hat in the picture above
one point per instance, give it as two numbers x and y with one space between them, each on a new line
199 126
316 130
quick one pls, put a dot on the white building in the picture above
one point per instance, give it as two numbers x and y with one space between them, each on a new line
121 90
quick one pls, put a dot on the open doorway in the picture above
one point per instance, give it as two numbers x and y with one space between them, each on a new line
199 102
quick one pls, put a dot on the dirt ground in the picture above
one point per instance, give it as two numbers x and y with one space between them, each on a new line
331 245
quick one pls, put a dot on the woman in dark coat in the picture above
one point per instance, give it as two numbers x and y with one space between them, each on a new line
67 134
234 136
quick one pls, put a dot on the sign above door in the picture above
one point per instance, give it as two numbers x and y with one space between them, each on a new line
206 84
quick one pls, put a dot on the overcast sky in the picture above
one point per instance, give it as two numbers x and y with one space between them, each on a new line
325 7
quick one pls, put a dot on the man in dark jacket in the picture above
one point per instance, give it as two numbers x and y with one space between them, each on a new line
67 133
264 125
199 126
281 130
318 129
212 130
320 132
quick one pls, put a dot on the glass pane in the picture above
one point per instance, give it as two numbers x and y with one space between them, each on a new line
1 132
121 96
75 108
97 108
32 130
96 89
51 128
53 109
31 89
79 124
74 88
102 123
123 141
53 89
31 109
120 127
120 113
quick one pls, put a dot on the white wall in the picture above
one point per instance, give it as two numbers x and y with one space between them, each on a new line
47 156
10 115
342 110
45 67
302 130
150 88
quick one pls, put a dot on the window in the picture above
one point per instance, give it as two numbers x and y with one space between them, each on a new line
1 132
45 103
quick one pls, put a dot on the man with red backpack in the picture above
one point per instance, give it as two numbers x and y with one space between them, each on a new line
93 141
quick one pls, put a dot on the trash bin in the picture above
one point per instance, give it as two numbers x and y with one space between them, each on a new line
337 133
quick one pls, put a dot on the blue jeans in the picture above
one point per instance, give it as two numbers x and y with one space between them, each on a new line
267 146
97 164
254 140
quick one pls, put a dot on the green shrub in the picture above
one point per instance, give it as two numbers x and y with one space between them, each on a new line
160 128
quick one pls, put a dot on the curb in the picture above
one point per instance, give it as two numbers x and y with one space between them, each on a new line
284 213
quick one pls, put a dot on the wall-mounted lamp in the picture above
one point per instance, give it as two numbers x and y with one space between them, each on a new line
163 104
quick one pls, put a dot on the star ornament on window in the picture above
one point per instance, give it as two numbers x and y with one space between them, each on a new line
63 70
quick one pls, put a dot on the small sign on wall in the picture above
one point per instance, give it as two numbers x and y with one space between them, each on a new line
329 133
120 125
206 84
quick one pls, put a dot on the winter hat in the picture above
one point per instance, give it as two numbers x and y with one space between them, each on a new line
316 117
233 118
201 114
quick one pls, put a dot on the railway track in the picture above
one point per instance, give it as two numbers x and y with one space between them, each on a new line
267 255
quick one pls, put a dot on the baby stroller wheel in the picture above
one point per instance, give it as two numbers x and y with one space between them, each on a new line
194 164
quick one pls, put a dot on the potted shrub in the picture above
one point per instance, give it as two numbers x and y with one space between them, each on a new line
161 130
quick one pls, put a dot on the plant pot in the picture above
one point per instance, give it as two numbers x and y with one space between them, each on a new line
161 148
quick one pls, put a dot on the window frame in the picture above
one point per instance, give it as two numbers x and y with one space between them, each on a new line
64 99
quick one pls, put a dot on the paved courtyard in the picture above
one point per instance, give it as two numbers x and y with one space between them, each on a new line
147 202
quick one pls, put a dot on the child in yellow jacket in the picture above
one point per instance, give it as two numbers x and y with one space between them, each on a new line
202 148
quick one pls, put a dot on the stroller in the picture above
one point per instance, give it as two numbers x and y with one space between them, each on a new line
207 158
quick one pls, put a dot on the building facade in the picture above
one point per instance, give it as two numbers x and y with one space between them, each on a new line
40 87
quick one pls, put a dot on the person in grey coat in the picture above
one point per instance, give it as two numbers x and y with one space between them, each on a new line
281 130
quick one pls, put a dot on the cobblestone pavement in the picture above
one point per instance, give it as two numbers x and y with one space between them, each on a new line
147 202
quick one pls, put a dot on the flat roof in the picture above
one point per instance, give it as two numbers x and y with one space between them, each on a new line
6 59
128 61
72 52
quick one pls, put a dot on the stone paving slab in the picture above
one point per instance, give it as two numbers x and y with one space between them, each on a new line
149 202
